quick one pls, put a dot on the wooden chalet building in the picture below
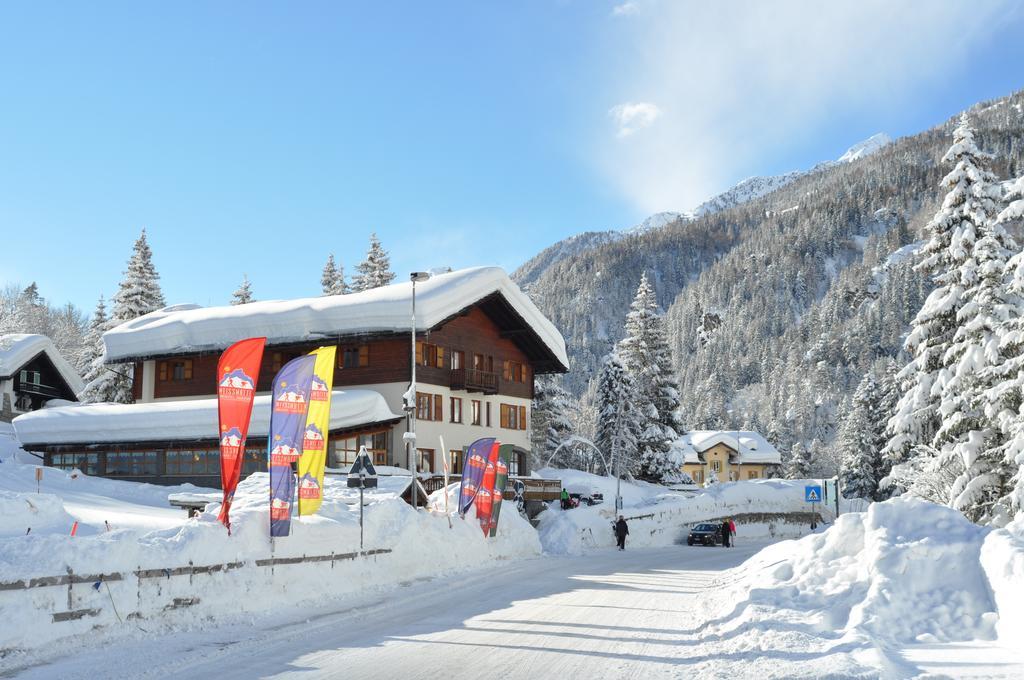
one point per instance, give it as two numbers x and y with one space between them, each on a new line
480 343
32 372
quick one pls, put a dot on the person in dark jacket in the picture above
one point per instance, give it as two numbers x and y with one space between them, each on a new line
621 531
726 533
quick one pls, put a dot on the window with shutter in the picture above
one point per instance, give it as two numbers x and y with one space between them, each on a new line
522 417
504 416
437 408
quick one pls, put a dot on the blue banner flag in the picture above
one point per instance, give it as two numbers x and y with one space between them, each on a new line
289 406
473 469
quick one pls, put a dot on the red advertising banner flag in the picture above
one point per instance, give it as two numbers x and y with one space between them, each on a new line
237 374
485 496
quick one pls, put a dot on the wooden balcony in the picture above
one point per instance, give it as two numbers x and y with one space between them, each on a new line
473 380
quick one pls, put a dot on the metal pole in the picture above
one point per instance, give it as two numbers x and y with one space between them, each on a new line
411 446
360 515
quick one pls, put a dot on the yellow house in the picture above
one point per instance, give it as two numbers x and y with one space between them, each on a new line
727 456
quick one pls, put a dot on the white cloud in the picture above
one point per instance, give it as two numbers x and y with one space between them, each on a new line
740 81
625 9
632 116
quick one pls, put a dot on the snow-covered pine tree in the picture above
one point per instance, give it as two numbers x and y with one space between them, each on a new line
646 356
375 270
988 306
616 416
243 295
1005 405
139 292
951 237
801 462
332 282
859 443
102 382
551 423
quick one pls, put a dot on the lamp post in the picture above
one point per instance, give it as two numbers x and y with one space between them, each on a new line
410 436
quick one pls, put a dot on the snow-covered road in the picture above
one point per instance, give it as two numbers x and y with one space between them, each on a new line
636 614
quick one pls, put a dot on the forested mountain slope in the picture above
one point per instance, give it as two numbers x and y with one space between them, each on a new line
776 307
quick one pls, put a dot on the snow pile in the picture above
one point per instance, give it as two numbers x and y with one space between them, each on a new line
1003 559
39 513
904 571
423 544
660 517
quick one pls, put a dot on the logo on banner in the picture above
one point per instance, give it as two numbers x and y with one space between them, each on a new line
477 462
318 392
284 452
235 385
231 443
312 438
291 400
308 488
280 510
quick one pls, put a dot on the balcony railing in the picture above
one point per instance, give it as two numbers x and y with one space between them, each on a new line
473 380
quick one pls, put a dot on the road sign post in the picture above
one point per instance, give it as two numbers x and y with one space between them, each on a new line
362 476
812 494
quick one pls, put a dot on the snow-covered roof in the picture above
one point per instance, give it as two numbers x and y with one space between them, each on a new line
18 349
171 420
752 447
188 328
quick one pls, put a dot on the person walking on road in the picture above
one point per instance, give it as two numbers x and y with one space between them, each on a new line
732 533
726 534
565 499
621 531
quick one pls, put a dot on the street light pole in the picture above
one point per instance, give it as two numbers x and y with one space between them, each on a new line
410 438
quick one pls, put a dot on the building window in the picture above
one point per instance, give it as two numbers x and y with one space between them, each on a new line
487 412
476 411
752 474
424 460
357 356
456 410
514 463
131 463
455 456
716 465
514 372
428 406
478 362
698 477
429 355
513 417
458 359
255 460
191 462
347 448
175 371
89 463
31 378
276 361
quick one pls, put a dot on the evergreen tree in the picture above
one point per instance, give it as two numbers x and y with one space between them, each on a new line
646 357
333 279
103 383
616 416
139 292
375 270
800 463
551 423
243 295
860 441
952 233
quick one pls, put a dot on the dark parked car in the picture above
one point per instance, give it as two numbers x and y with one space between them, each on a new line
705 534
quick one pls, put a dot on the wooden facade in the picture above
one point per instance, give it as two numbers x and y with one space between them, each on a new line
468 352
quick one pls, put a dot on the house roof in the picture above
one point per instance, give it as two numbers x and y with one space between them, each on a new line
18 349
182 329
172 420
752 447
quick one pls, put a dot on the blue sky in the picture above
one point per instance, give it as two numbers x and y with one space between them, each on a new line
257 137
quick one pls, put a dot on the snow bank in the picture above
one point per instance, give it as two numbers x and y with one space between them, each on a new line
423 544
1002 557
660 517
22 513
905 571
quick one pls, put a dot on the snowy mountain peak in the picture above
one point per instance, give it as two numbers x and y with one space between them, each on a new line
865 148
656 221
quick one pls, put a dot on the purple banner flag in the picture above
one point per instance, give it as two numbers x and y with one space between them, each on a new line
290 403
473 471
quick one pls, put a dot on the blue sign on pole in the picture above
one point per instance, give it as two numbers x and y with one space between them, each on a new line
812 494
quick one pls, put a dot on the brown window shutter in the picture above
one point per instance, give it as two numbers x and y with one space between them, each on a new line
440 357
188 369
522 417
506 370
419 353
163 370
364 355
488 414
438 415
504 415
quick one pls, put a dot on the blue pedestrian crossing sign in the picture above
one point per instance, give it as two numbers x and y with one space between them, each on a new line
812 494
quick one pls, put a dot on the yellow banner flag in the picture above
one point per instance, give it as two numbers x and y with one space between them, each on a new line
318 424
